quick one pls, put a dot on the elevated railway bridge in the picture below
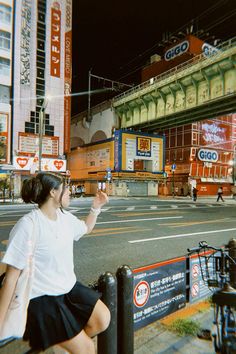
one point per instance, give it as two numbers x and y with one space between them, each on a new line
203 87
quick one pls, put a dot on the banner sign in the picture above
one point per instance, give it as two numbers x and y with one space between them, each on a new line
159 290
25 42
29 144
143 146
55 40
24 163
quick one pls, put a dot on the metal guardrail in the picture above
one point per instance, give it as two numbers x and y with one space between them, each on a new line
197 59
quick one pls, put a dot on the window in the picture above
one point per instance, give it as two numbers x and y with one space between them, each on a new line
5 14
5 40
3 123
4 94
4 67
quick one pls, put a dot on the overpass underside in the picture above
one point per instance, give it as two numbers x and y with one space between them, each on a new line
199 89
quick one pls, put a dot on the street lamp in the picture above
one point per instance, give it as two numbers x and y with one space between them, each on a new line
41 129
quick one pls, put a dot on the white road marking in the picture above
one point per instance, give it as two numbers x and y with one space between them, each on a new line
153 207
136 220
181 235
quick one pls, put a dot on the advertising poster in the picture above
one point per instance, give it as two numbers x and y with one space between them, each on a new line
159 290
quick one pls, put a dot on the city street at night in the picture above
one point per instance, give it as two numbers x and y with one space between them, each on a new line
139 231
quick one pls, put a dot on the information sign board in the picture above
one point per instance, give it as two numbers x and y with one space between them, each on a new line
159 290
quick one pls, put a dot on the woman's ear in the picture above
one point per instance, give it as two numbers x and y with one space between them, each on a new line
52 193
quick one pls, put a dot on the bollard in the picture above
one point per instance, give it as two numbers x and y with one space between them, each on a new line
232 267
124 276
107 341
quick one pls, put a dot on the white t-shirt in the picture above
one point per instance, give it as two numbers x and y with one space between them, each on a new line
53 255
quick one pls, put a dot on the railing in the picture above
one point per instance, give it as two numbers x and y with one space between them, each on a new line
197 59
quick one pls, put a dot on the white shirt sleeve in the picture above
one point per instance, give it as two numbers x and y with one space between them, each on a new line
19 243
79 227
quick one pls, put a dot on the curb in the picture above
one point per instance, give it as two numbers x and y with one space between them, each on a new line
188 311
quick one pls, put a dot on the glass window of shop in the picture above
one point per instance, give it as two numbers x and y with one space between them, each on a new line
4 67
4 94
5 40
5 14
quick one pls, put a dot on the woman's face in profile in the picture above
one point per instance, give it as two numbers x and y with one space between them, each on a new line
62 196
65 199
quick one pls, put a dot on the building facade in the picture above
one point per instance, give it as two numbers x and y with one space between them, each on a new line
129 163
6 35
41 87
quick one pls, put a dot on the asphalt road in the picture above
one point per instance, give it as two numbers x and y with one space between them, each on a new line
138 231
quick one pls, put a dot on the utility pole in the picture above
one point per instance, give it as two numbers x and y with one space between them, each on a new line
41 130
89 94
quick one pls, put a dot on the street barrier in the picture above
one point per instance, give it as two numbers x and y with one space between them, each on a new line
141 296
125 323
232 267
107 341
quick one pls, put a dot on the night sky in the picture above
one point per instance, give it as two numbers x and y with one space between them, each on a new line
116 38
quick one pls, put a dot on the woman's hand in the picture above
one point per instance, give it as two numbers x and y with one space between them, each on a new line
100 200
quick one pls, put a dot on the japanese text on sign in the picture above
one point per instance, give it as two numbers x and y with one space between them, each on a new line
143 146
55 41
158 292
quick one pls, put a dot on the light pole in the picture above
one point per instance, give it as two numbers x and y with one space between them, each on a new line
41 129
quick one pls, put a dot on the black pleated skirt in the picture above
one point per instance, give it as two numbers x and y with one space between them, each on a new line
55 319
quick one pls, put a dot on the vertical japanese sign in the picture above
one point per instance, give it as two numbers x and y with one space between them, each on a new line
25 42
159 290
68 76
55 39
3 137
117 151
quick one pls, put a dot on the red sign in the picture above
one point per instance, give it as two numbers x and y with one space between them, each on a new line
67 90
141 293
55 40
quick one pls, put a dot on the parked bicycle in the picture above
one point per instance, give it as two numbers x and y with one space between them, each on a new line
215 264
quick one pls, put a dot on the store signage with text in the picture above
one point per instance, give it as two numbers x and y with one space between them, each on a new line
31 163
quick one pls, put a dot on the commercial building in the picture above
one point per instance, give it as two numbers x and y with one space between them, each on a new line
129 163
188 97
38 55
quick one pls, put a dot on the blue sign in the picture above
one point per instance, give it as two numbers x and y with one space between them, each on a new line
158 291
208 50
177 50
173 167
208 155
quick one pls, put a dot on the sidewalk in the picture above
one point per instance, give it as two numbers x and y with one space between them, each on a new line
158 339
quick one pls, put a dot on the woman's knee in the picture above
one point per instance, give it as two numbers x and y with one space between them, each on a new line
105 318
82 344
100 318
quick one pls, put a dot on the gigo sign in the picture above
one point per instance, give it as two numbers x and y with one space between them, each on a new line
208 50
208 155
177 50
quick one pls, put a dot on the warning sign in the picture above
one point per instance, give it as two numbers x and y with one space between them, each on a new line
198 289
195 270
195 289
141 293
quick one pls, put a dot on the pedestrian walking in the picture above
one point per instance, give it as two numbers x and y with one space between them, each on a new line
61 310
220 193
195 194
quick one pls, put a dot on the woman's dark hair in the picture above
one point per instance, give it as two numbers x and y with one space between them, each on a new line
37 189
